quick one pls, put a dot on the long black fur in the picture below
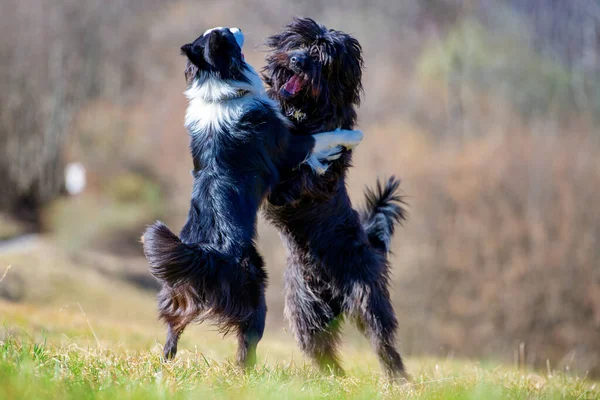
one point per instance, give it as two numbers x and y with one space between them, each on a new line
213 269
337 263
383 210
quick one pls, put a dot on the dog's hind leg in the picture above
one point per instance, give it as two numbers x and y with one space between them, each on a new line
173 334
177 309
250 333
252 327
374 315
314 320
322 345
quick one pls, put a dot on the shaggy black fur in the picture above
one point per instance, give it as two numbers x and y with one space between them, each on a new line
213 269
337 264
383 210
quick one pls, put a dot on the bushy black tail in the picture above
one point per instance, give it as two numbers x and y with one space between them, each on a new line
384 209
174 262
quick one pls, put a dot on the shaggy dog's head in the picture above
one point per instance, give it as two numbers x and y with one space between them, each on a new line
315 72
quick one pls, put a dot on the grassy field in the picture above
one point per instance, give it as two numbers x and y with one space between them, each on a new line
81 331
40 369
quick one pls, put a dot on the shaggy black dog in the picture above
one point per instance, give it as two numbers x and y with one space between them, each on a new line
240 143
337 258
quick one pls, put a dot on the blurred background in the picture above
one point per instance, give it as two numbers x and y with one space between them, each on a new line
487 110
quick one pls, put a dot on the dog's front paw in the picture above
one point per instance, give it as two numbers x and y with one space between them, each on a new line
316 164
350 139
332 139
320 161
333 154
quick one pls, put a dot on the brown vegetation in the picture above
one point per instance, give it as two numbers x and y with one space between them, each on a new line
484 112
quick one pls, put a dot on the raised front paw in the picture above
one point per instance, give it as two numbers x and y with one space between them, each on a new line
332 154
350 139
340 137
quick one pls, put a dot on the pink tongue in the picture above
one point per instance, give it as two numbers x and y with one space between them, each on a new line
293 85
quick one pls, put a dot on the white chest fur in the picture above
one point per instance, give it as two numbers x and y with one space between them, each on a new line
202 115
215 103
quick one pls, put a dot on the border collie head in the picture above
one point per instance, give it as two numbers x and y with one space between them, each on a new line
216 69
309 63
216 51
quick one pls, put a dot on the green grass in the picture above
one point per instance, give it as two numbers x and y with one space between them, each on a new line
92 361
79 332
39 370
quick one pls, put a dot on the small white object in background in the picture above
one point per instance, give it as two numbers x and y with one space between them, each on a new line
75 178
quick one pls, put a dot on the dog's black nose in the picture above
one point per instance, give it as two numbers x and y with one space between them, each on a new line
297 60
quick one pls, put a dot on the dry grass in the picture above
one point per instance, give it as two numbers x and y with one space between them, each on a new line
492 131
100 339
60 358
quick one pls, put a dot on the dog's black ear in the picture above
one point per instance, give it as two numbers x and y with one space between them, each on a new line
222 52
274 41
307 27
353 65
354 52
216 45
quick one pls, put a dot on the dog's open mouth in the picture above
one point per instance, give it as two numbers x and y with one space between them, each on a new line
293 85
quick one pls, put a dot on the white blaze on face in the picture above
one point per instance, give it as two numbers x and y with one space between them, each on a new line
237 33
239 36
211 29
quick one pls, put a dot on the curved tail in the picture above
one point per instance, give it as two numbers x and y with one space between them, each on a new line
383 210
174 262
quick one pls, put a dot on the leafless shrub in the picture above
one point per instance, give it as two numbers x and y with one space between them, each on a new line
55 57
485 108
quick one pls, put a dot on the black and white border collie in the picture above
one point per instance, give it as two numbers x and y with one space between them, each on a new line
240 145
337 258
